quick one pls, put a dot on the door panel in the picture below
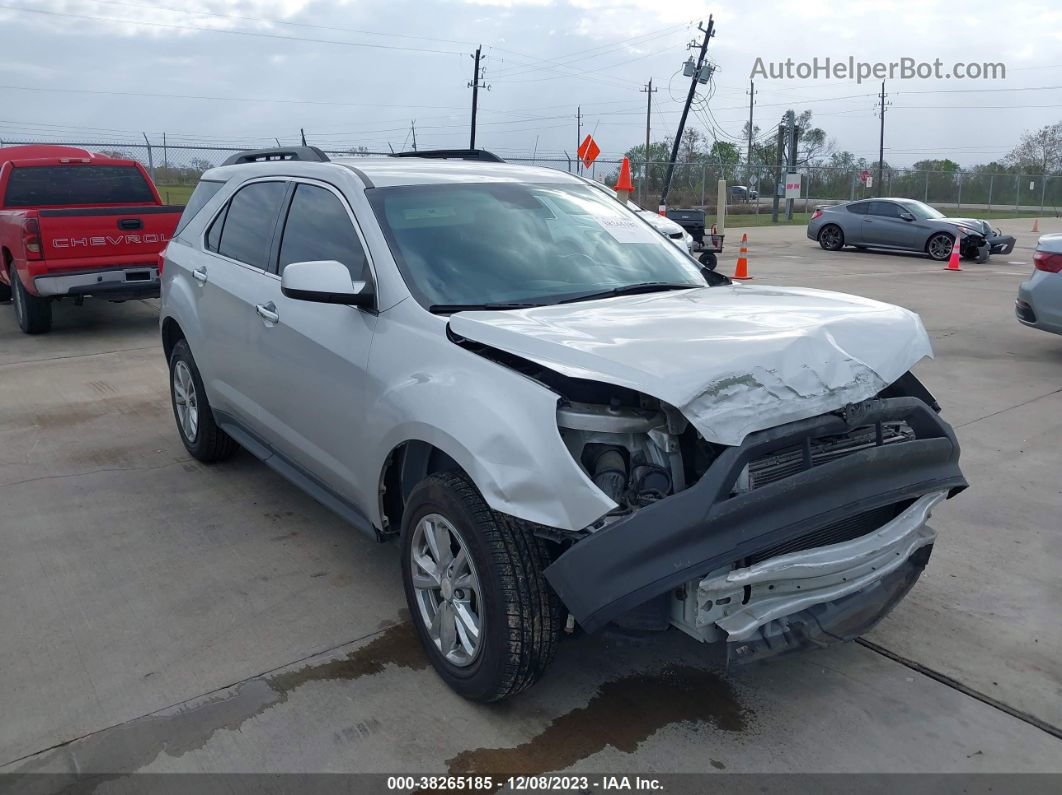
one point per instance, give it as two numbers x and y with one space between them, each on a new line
308 375
240 240
310 364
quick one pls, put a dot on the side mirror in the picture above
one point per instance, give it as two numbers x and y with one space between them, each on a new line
907 216
325 282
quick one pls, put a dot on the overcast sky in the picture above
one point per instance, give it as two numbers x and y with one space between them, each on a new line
357 72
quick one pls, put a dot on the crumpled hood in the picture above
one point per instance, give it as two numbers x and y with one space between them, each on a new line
733 359
968 223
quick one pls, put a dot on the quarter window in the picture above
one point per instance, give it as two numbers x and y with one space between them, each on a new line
319 228
859 208
249 221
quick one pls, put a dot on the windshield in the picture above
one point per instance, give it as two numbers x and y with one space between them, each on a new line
518 243
923 212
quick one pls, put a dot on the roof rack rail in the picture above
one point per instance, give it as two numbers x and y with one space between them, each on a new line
311 153
453 154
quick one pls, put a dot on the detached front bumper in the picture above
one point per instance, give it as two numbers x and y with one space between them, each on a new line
707 527
1000 244
133 281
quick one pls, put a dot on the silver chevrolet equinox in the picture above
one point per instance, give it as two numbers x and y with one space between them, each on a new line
565 422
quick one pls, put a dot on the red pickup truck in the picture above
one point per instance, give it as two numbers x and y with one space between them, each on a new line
75 223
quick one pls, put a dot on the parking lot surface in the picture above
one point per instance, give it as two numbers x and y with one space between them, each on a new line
163 615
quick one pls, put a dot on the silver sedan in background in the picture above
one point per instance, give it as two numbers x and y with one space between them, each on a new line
904 225
1039 301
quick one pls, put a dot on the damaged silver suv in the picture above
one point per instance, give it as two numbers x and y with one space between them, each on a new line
558 415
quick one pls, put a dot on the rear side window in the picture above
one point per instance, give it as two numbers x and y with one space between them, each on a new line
43 186
858 207
249 221
887 209
319 228
203 193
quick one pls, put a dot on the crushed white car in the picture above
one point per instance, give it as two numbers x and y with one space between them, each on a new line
562 420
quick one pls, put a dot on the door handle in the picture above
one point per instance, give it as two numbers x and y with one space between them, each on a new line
200 275
267 312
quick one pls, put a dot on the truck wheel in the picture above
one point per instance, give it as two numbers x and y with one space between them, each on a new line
34 314
195 421
483 610
709 260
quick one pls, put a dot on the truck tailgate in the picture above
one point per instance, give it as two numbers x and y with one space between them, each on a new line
90 236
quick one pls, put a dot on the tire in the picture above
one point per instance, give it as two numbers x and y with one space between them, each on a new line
191 410
34 314
831 237
503 591
709 260
938 247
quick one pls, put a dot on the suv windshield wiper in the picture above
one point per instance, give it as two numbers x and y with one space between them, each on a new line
442 309
629 289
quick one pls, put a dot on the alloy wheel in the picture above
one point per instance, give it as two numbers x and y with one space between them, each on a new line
184 397
447 589
940 247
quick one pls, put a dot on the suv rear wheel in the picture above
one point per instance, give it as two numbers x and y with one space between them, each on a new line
483 610
195 421
34 314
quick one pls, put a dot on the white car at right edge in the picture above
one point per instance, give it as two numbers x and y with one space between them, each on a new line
553 411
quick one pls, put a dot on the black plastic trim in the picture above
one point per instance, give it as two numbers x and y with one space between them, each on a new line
453 154
685 536
151 209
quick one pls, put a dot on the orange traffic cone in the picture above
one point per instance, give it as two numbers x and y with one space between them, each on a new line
953 260
1036 225
742 270
624 181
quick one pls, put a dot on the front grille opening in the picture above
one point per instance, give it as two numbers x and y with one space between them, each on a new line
834 533
814 452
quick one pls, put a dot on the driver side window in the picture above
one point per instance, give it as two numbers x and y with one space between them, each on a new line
318 227
885 209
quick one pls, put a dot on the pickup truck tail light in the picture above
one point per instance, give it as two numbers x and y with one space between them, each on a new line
31 238
1047 261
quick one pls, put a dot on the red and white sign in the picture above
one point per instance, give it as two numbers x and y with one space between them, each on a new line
864 176
792 186
588 151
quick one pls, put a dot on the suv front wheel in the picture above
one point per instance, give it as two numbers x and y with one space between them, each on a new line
483 610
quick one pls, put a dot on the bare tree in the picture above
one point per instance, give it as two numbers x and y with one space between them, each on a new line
1039 152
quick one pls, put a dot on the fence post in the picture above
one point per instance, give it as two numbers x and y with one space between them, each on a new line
926 199
151 160
958 200
991 182
1043 188
704 176
1017 191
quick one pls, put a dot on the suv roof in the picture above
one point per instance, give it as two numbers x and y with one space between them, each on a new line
383 172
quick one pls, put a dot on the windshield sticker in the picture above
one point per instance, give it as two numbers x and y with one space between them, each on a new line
424 213
626 230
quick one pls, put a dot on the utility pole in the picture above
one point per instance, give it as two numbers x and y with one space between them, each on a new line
794 135
748 157
413 127
648 90
475 85
778 176
578 138
708 33
881 140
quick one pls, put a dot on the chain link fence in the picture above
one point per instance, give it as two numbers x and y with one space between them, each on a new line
177 168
